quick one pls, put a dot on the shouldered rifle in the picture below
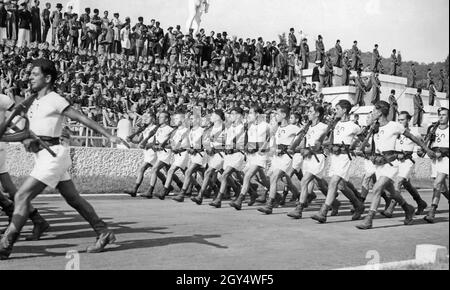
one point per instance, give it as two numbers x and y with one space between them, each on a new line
163 144
21 135
429 138
347 150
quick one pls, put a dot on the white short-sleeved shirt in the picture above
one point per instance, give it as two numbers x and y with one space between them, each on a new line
314 133
147 132
286 135
441 139
124 127
258 133
163 134
46 115
196 138
404 144
345 132
5 104
180 138
386 138
235 132
217 137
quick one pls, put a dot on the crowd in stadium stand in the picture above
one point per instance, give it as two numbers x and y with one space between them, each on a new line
113 70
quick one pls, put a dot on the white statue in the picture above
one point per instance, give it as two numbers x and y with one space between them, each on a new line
196 10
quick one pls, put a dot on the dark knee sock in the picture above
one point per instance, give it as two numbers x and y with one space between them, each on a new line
413 191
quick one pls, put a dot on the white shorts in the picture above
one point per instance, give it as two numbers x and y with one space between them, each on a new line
387 170
236 161
181 160
150 156
3 34
52 170
164 156
439 166
405 168
283 163
3 168
297 162
340 166
369 168
258 159
198 159
312 166
216 162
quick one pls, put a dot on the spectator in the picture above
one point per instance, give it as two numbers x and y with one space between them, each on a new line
36 22
55 20
418 109
3 23
45 20
25 19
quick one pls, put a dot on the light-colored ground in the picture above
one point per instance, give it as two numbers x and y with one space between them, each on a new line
154 234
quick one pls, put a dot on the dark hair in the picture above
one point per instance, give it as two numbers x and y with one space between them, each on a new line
346 105
319 109
383 107
47 67
297 116
408 115
393 92
419 90
238 110
285 110
220 113
167 114
257 109
140 18
87 10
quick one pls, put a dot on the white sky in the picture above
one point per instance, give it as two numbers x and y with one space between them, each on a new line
418 28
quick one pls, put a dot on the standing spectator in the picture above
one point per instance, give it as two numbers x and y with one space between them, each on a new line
117 26
441 83
125 34
55 20
412 75
85 18
418 109
304 50
105 20
360 89
394 63
329 72
3 23
429 78
399 64
13 22
356 57
24 25
320 49
94 33
338 62
140 32
74 32
432 94
376 60
36 22
46 21
393 109
347 65
374 85
292 42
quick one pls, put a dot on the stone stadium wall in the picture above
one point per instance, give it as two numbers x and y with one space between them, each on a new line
102 170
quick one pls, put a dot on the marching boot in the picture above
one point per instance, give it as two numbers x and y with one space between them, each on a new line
217 203
321 217
421 207
237 204
133 192
105 238
368 221
431 214
198 199
253 197
311 197
335 207
40 226
285 194
268 208
180 197
6 244
389 212
409 214
165 192
148 194
188 192
9 211
278 200
295 197
297 212
262 199
359 210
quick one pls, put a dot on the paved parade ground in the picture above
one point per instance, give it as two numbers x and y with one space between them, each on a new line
154 234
